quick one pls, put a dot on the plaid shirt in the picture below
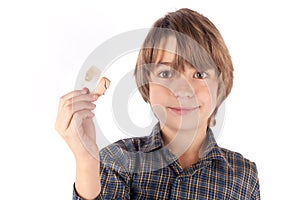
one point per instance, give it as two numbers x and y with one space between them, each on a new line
142 168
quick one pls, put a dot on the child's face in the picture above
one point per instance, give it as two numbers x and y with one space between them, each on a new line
182 100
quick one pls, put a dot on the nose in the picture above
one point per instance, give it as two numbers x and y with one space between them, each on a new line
182 88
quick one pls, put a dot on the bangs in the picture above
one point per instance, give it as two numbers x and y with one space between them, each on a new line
185 50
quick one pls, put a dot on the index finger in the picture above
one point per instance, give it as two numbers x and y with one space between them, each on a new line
74 93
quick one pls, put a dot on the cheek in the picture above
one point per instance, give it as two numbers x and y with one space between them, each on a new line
207 96
157 97
214 93
157 94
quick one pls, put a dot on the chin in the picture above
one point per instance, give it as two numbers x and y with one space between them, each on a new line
184 125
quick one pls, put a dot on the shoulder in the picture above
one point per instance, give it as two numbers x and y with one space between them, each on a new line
240 165
243 173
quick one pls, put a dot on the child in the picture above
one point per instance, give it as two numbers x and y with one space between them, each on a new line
184 71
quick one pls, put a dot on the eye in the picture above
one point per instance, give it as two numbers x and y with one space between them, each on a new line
166 74
200 75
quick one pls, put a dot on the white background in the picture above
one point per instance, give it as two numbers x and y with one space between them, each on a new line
42 48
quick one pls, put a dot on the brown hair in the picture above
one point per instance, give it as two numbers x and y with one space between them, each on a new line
198 42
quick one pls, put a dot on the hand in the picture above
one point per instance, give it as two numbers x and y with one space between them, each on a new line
75 124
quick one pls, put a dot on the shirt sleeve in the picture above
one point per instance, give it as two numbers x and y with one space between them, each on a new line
115 178
256 191
114 185
77 197
115 175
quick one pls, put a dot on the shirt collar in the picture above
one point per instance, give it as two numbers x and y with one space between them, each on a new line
212 150
154 140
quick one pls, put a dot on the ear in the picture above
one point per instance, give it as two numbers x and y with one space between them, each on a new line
212 119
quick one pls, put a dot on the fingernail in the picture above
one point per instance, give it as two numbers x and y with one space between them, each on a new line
95 96
84 91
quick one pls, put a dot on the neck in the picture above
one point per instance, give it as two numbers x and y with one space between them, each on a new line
185 144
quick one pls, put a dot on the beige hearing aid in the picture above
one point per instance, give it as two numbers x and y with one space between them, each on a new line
93 74
102 86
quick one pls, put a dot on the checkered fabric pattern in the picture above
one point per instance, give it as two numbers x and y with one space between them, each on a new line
142 168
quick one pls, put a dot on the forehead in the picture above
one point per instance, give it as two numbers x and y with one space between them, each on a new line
167 53
164 57
177 49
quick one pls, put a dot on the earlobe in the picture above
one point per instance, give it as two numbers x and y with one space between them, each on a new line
212 119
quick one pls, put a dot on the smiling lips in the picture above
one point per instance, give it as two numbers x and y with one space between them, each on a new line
183 110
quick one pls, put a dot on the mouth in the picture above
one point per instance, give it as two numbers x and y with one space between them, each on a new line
183 110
